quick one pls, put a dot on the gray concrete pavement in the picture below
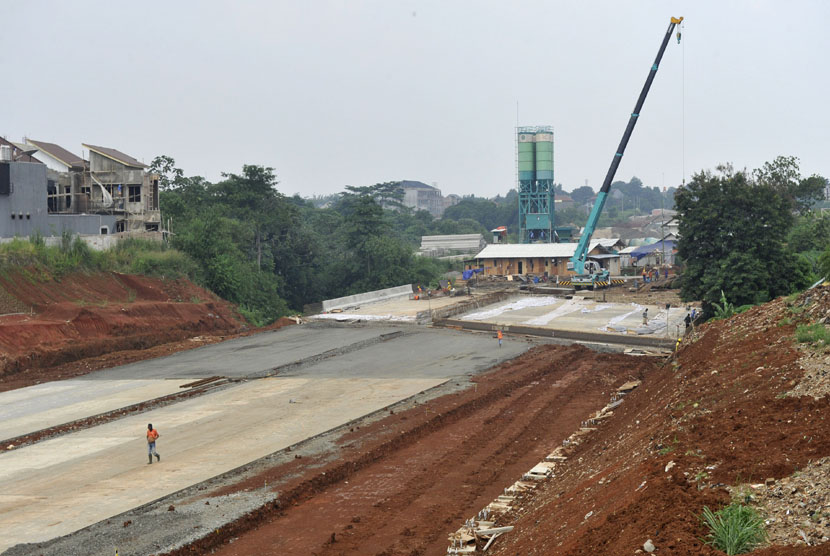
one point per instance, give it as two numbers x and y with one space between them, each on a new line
46 405
582 315
251 355
61 485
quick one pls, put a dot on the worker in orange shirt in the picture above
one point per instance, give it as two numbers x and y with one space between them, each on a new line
152 436
499 335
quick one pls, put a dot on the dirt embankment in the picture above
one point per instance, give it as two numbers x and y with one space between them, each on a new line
719 415
727 411
50 322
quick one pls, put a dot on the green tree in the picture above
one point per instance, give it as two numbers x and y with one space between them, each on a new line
810 232
582 195
252 197
784 176
732 239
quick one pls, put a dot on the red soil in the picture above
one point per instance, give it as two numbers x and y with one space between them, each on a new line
83 316
401 485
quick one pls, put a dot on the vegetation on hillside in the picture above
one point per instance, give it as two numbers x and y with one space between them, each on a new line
132 256
750 236
272 254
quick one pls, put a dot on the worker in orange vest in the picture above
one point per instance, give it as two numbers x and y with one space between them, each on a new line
152 436
499 335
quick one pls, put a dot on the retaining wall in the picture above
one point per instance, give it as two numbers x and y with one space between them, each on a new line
367 297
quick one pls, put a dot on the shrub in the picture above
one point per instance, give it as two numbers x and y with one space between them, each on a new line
735 529
815 333
724 309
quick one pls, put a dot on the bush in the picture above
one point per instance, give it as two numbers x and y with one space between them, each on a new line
812 334
724 309
735 529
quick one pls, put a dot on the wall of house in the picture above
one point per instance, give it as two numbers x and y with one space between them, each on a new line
114 172
51 162
27 201
538 265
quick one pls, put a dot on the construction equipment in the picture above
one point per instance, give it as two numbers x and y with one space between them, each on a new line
590 273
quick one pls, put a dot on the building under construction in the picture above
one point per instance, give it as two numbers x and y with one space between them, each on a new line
109 183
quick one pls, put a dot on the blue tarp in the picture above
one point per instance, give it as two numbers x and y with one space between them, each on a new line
645 250
467 274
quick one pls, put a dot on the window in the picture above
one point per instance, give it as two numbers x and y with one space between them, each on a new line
86 190
135 194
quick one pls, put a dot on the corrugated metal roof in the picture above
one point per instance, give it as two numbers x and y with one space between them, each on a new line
117 156
470 242
608 242
531 250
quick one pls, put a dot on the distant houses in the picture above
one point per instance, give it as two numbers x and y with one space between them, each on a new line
420 196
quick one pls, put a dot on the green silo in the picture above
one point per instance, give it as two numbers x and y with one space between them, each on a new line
535 167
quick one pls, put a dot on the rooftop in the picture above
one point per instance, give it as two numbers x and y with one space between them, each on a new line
59 153
117 156
531 250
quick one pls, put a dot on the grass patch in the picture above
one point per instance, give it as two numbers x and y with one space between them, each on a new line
38 262
814 334
735 529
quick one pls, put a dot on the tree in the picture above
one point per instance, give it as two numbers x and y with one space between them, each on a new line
581 195
810 232
784 176
169 175
252 197
732 239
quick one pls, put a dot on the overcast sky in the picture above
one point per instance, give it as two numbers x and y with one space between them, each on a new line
334 93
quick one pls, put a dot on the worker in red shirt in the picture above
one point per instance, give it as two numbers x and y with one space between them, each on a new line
152 435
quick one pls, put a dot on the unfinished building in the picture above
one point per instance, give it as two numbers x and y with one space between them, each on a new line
109 183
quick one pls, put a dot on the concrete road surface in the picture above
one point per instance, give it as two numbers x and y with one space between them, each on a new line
61 485
42 406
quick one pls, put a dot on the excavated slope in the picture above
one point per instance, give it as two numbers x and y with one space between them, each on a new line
48 321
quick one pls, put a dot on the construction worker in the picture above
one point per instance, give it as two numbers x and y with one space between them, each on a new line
152 436
645 317
499 335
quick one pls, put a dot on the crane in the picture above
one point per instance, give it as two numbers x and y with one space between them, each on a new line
589 273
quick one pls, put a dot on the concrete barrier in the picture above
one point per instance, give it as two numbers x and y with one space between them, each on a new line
367 297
